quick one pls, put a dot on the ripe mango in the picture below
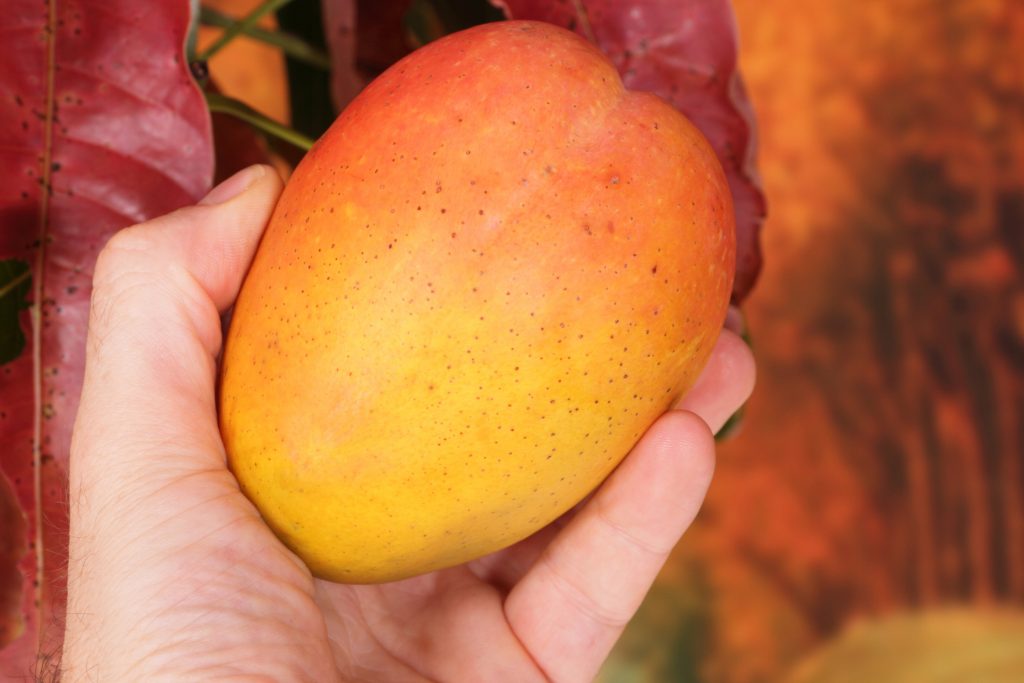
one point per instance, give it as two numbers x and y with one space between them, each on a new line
494 271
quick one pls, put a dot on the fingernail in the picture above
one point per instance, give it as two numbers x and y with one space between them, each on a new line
234 186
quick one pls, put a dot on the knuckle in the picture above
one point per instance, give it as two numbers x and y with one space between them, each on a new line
126 268
593 607
130 257
120 251
655 547
112 286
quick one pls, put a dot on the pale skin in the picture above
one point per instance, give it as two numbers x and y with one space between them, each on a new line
172 574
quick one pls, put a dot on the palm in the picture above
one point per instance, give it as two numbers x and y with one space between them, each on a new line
447 625
425 628
431 627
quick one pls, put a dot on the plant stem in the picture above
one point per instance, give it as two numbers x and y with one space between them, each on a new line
291 45
13 284
247 22
241 110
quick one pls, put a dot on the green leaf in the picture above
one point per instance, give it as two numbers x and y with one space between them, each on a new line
309 87
427 20
293 46
423 23
731 426
15 282
236 108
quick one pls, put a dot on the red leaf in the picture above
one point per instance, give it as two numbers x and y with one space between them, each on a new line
238 146
364 37
381 34
685 52
340 32
101 126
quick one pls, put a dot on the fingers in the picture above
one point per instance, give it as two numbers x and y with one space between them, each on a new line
725 383
571 607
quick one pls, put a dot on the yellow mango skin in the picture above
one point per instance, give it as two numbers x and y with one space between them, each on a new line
479 288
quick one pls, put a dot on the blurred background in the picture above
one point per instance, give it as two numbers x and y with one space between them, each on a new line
866 522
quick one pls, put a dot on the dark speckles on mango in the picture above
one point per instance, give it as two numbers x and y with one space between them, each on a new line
482 339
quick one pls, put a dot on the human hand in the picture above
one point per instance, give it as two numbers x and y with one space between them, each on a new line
173 575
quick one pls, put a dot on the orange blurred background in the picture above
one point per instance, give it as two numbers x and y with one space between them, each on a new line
880 467
878 472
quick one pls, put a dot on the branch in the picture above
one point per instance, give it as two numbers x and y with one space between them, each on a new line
241 110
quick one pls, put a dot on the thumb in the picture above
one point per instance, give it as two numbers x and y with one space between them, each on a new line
164 549
197 255
154 333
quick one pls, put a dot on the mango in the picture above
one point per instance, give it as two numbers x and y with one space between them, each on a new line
480 287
